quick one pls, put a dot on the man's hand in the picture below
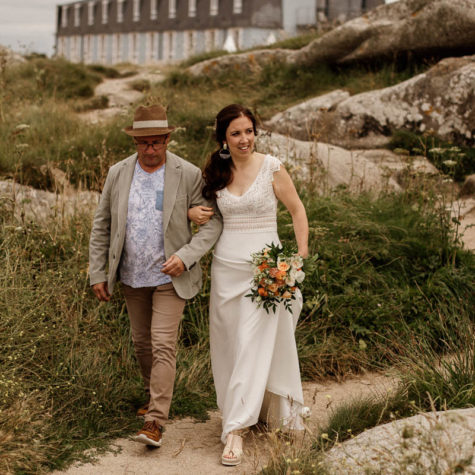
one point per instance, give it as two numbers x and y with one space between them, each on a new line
173 266
101 291
200 214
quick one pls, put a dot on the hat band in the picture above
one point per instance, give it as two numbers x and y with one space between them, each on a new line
149 124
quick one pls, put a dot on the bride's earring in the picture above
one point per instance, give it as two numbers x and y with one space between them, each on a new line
224 153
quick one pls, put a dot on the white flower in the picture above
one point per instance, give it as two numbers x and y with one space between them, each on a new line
305 412
21 127
300 276
296 262
290 282
450 163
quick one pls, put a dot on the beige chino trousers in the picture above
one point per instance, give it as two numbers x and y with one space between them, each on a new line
155 315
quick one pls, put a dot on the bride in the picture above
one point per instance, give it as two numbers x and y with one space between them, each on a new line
253 353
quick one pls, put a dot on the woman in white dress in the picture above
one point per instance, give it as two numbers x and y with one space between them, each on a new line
253 353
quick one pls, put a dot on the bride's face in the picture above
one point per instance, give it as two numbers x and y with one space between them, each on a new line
240 137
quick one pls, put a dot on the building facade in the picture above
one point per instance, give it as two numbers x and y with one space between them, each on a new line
148 31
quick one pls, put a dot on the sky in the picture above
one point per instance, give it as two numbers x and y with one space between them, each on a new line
30 25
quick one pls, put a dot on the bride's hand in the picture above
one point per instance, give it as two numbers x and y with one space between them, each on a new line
200 214
303 253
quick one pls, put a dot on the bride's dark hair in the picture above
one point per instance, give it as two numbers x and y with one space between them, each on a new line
218 172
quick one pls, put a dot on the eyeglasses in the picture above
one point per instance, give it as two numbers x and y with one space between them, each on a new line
155 144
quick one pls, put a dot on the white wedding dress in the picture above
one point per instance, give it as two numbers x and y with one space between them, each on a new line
253 353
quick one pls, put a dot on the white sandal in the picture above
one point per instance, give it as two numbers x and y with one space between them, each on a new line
232 453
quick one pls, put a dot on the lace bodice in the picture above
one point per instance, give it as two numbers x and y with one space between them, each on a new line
256 209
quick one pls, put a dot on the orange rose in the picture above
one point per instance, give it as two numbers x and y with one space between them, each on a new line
280 283
280 275
273 272
262 292
286 295
273 288
283 266
263 266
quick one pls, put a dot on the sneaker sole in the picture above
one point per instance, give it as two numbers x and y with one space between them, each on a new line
143 439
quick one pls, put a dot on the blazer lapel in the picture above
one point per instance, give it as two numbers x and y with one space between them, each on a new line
172 180
124 182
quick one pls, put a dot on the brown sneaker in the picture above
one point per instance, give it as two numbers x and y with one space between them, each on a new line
141 411
150 434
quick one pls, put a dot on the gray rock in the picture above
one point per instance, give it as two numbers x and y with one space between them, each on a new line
39 206
442 27
8 55
326 167
440 100
300 121
440 442
468 188
416 26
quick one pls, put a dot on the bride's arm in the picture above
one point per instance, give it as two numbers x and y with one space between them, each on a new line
285 191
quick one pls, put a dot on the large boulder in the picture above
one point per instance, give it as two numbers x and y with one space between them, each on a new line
440 27
440 100
438 442
327 167
436 27
9 56
30 204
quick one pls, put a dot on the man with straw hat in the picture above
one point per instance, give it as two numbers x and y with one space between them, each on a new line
142 232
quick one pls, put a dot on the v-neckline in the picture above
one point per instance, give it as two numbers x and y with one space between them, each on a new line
252 184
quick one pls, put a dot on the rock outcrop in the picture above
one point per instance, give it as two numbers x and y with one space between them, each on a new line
30 204
440 100
468 188
440 442
327 167
436 27
8 55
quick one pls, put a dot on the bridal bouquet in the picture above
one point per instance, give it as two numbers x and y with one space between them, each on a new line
277 275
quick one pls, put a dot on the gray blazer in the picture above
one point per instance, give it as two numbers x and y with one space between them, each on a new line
183 184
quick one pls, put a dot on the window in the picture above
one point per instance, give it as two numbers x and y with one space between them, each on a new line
153 9
64 16
213 7
102 49
191 8
120 11
90 13
171 8
210 40
105 11
117 48
237 7
77 14
136 12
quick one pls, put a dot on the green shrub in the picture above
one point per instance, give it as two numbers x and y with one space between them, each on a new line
51 78
202 57
455 160
105 71
141 85
385 265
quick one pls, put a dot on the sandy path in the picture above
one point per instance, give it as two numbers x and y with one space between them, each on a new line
194 448
120 94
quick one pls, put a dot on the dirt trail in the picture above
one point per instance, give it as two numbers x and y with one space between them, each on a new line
194 448
121 94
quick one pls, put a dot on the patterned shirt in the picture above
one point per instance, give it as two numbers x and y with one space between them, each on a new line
144 252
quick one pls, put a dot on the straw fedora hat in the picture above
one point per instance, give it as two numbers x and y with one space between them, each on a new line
149 121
